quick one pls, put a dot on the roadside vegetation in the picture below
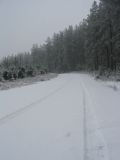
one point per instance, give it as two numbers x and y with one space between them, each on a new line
93 45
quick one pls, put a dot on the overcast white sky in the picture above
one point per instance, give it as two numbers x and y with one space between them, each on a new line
25 22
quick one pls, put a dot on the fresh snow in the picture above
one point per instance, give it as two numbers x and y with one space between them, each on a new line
71 117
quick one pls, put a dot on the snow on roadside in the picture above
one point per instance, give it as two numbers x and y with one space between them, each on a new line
113 85
5 85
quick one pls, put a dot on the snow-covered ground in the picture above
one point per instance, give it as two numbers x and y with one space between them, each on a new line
5 85
71 117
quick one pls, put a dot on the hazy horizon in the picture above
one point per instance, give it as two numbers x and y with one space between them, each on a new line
26 22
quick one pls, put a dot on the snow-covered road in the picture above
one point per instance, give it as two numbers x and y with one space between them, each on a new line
71 117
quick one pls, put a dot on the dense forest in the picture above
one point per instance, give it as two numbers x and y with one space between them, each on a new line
93 45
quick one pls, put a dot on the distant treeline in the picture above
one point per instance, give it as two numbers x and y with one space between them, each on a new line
94 45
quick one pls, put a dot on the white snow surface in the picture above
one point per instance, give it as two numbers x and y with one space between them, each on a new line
71 117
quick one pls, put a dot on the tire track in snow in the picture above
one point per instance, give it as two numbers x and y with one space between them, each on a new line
22 110
95 147
84 128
